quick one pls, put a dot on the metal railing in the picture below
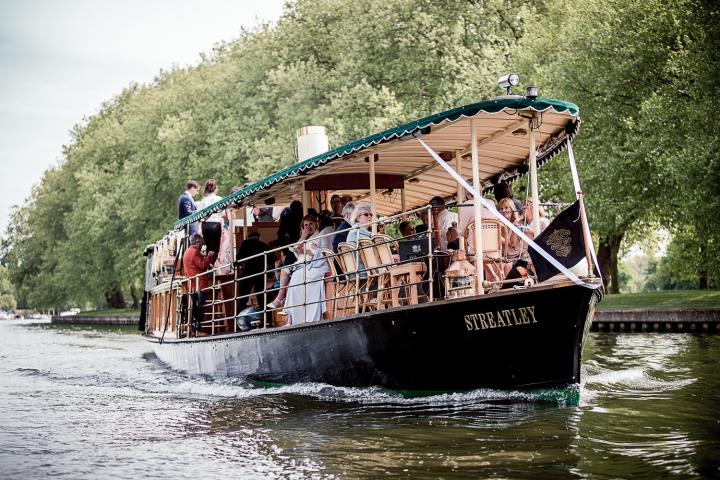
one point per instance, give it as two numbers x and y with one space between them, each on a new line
220 310
366 275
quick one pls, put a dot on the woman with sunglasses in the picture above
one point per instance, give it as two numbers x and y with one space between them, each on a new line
361 217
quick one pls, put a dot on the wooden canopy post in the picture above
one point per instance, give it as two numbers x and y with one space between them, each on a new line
244 219
534 179
403 202
371 161
304 199
458 169
477 207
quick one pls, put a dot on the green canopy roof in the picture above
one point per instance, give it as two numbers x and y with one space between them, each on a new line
415 128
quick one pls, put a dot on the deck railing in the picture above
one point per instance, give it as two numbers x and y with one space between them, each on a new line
350 289
360 277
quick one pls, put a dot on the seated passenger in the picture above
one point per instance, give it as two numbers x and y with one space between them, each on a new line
422 227
407 230
341 236
295 255
306 289
528 210
506 207
361 217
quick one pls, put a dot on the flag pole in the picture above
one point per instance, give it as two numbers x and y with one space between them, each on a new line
583 215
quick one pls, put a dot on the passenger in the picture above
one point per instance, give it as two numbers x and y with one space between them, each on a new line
295 255
290 220
186 204
306 289
249 247
361 217
263 214
544 222
445 219
341 235
407 230
211 226
326 229
336 204
506 207
503 190
466 215
422 227
194 265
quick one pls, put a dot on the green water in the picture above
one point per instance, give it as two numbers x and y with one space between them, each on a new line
96 403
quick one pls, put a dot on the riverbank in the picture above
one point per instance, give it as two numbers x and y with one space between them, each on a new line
122 316
675 311
676 300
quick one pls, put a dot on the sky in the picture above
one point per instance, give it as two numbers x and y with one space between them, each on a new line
61 59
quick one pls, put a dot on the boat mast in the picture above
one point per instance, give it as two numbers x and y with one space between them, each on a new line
477 207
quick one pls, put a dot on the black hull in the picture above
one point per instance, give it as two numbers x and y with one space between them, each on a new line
447 345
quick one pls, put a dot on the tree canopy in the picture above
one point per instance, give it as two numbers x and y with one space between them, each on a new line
359 67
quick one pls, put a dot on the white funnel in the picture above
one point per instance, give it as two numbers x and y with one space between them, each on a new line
311 141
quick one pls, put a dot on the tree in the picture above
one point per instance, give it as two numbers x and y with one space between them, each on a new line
621 62
7 291
357 68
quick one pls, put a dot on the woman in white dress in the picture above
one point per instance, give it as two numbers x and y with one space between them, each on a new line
305 300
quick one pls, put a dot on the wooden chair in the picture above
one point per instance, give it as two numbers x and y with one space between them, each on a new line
340 285
347 252
404 276
494 250
378 276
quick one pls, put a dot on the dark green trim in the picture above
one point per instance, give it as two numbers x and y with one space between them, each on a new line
414 128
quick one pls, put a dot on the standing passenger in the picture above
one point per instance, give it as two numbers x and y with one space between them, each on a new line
249 269
445 220
194 266
212 226
186 204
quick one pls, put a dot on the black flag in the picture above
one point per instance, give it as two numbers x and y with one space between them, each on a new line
563 240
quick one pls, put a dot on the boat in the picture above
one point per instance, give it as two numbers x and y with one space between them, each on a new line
415 323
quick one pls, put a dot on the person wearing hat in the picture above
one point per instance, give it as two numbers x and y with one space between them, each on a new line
445 219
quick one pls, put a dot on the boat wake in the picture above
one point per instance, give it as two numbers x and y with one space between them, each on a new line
182 384
632 382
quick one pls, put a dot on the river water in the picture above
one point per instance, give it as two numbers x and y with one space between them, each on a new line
91 402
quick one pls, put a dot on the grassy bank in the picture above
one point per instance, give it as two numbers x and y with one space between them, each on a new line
111 312
666 300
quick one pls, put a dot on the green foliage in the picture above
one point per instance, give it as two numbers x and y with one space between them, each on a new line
7 291
642 73
355 67
682 268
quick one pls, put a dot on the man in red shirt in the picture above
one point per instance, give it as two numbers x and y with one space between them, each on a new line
194 265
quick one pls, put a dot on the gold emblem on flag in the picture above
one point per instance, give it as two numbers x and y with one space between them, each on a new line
560 242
